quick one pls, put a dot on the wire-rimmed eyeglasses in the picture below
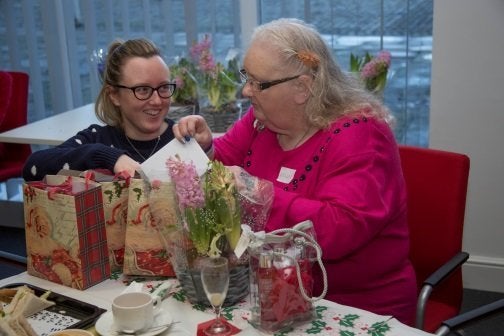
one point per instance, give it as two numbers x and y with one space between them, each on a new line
259 86
144 92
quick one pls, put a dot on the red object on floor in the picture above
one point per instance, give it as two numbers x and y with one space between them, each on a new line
202 326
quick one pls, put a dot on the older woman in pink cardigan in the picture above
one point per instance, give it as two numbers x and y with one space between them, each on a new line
327 146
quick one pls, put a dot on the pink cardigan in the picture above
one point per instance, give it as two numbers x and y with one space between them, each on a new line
348 181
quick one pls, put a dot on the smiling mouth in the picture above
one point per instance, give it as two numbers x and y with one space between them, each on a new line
152 113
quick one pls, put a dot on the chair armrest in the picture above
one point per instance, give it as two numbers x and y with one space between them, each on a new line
433 280
471 316
447 269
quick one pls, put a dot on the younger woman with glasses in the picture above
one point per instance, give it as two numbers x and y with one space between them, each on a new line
326 145
133 103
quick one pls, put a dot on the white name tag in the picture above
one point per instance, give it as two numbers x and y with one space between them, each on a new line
286 175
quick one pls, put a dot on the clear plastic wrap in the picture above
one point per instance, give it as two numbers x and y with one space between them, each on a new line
255 196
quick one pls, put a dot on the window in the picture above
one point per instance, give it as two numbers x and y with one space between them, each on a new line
54 42
402 27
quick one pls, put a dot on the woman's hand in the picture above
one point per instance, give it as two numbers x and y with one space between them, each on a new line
193 126
127 164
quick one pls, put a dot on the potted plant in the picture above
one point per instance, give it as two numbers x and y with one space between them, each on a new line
372 70
210 225
212 84
187 91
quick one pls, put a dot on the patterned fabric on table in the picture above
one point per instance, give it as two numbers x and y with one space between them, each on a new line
332 318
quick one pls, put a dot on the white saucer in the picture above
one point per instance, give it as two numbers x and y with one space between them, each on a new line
105 324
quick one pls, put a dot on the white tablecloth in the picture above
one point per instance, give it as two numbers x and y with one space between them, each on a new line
333 318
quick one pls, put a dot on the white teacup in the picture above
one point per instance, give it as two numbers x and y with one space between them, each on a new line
135 311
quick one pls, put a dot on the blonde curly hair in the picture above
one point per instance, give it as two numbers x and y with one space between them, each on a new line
334 93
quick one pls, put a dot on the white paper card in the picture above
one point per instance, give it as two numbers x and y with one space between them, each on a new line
154 168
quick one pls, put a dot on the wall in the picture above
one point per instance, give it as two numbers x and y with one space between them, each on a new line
467 115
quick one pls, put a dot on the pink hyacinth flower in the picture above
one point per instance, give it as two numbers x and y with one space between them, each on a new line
384 56
187 183
206 62
377 65
199 48
369 70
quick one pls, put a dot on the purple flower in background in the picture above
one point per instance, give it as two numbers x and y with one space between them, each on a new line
372 70
201 53
376 66
205 78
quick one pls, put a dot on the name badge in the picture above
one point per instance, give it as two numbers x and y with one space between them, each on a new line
286 175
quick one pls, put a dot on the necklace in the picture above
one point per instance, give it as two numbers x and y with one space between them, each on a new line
138 152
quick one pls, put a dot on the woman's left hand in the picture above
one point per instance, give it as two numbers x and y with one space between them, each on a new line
126 164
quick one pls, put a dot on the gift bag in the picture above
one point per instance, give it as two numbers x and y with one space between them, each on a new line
65 231
281 277
115 209
151 209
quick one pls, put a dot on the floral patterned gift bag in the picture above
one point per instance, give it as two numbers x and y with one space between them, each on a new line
114 189
65 231
149 206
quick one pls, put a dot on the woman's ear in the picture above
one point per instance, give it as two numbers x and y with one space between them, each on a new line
114 96
303 89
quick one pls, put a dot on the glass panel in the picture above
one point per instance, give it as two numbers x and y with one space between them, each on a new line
402 27
349 26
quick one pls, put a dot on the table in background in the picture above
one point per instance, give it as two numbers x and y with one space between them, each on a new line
56 129
333 318
53 130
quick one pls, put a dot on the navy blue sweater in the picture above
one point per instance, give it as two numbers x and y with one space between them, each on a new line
96 147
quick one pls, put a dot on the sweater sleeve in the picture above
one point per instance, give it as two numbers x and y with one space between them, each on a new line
91 148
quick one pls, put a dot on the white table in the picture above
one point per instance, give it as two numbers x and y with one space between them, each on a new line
101 295
55 129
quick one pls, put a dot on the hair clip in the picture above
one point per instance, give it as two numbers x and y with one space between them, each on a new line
309 59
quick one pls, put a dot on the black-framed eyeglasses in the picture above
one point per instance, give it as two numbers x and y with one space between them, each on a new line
259 86
144 92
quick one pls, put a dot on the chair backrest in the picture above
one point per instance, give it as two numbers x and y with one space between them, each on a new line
436 183
13 113
14 106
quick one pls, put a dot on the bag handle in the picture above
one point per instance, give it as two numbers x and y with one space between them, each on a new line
62 188
105 175
304 240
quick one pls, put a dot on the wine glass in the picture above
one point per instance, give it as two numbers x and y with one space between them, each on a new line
215 280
